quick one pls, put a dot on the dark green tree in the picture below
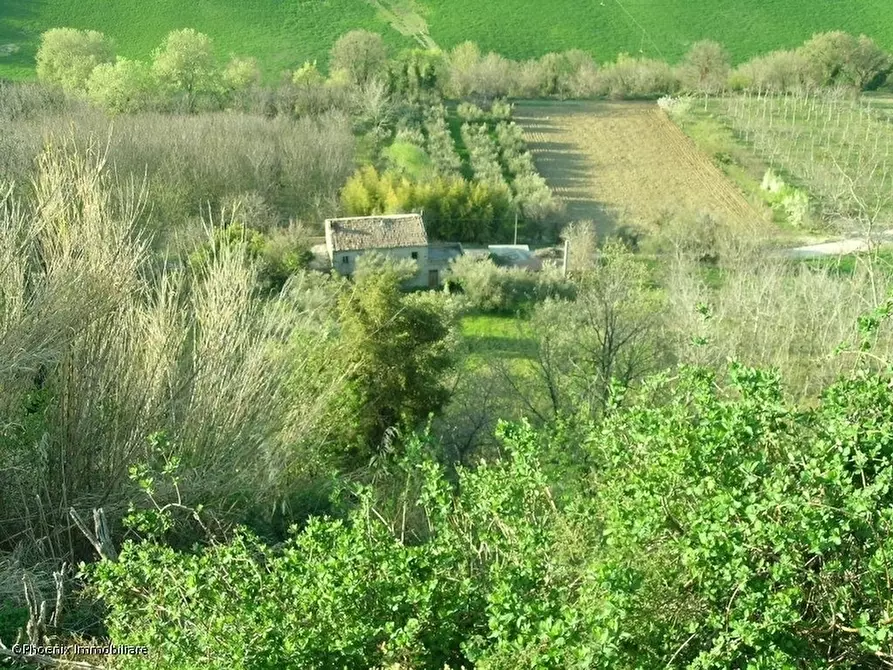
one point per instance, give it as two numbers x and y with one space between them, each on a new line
397 350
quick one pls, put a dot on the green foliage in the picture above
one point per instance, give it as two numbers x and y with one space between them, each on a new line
185 64
417 72
66 56
487 287
241 73
756 516
308 75
125 87
281 37
839 58
396 350
371 590
409 160
706 531
455 209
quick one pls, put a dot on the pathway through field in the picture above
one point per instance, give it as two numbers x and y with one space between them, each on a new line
622 163
405 17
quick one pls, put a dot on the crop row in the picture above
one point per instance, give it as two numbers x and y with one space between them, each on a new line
439 143
484 155
838 148
531 193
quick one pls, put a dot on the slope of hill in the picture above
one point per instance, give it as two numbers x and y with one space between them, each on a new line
284 33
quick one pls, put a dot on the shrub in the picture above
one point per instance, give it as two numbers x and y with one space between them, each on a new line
470 112
776 72
637 78
196 355
398 587
766 528
487 287
19 101
839 58
793 201
396 349
408 159
241 73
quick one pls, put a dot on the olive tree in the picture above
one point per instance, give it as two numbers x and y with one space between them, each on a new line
66 56
185 64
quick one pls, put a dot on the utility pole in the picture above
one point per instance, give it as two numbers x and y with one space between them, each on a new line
567 244
516 228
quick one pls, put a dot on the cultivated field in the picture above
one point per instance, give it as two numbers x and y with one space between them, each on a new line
627 163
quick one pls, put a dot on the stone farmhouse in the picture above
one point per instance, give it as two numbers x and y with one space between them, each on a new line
397 236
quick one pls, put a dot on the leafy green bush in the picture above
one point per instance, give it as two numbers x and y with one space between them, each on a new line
363 592
792 201
698 529
409 159
395 351
487 287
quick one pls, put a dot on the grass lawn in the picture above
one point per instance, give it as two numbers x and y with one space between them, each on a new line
491 336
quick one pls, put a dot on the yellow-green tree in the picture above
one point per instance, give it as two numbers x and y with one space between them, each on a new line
66 56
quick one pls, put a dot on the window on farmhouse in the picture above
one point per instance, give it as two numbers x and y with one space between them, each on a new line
345 260
415 255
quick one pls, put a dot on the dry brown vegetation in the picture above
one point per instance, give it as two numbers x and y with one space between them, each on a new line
621 164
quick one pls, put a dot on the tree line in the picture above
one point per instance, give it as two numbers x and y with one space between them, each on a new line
185 74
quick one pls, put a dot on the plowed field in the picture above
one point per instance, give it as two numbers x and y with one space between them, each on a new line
627 163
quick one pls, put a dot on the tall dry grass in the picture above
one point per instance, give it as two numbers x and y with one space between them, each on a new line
191 163
99 350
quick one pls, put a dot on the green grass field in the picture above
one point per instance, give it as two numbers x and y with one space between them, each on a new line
284 33
492 336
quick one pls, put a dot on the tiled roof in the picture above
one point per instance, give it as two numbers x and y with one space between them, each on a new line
377 232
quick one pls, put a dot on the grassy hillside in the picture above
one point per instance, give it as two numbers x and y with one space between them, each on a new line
281 33
665 29
284 33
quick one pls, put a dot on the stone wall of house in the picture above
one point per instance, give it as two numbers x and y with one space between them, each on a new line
344 262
